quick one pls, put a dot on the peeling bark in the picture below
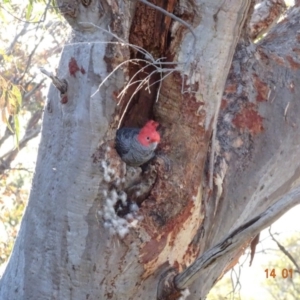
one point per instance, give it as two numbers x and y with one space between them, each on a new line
265 16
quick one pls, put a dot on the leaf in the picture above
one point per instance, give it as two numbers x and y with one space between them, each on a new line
2 16
10 104
29 10
2 102
3 89
2 98
16 93
4 115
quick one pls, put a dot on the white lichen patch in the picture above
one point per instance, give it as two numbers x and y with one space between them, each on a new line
108 173
184 294
123 197
112 222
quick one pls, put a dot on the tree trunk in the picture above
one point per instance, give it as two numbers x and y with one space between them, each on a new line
95 229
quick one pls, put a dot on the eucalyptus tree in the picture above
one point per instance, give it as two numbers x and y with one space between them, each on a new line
225 96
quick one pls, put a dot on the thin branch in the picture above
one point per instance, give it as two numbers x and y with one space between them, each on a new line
22 169
171 16
236 239
31 92
285 252
160 84
44 15
139 87
60 84
7 158
7 132
41 20
12 44
32 130
25 21
30 59
115 69
121 41
235 285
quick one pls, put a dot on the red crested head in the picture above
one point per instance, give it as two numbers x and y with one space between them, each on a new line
148 135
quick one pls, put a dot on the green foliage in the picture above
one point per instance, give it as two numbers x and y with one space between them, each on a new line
221 290
12 203
29 10
10 104
33 11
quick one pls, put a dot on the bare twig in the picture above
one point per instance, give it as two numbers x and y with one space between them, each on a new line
7 132
12 44
121 41
285 252
22 169
25 21
160 83
31 92
41 20
60 84
8 158
29 60
44 15
236 285
32 130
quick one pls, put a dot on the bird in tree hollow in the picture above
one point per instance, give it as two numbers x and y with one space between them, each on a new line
136 146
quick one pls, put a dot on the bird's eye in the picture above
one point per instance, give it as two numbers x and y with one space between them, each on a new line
148 138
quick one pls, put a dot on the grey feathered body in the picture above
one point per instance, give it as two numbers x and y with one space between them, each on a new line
132 152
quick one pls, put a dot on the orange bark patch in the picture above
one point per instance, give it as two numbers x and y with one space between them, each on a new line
64 99
152 249
191 254
231 88
224 104
262 89
249 119
170 246
73 67
294 65
279 60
